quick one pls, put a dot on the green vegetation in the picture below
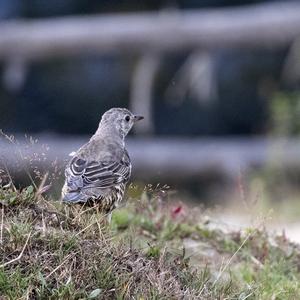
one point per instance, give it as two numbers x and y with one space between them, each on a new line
152 250
284 114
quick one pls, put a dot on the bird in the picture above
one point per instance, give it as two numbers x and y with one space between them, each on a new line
99 171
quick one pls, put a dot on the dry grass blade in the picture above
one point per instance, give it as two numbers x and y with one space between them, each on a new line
1 225
20 255
232 257
12 140
59 266
42 187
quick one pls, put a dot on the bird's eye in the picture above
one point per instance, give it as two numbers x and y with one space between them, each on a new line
127 118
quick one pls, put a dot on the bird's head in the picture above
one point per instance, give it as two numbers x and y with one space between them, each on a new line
120 120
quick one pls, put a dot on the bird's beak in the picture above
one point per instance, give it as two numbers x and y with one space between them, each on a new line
138 118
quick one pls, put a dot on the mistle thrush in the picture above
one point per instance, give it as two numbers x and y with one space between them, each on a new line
99 170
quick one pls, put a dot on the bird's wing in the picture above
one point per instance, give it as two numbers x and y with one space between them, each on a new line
84 174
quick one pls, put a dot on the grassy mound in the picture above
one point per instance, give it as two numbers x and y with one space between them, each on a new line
151 250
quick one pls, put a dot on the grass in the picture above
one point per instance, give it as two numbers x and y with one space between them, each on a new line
153 249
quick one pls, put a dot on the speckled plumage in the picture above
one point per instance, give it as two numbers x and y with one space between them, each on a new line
99 170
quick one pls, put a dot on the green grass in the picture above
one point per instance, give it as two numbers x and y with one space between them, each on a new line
152 250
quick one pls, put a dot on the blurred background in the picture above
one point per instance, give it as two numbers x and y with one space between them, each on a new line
217 81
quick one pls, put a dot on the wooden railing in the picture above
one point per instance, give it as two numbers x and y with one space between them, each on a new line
165 158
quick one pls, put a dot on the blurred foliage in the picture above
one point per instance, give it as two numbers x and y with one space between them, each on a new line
277 184
284 113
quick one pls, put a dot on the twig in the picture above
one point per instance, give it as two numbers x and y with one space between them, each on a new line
9 176
20 255
256 261
54 270
2 224
247 296
44 224
81 211
84 229
41 186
